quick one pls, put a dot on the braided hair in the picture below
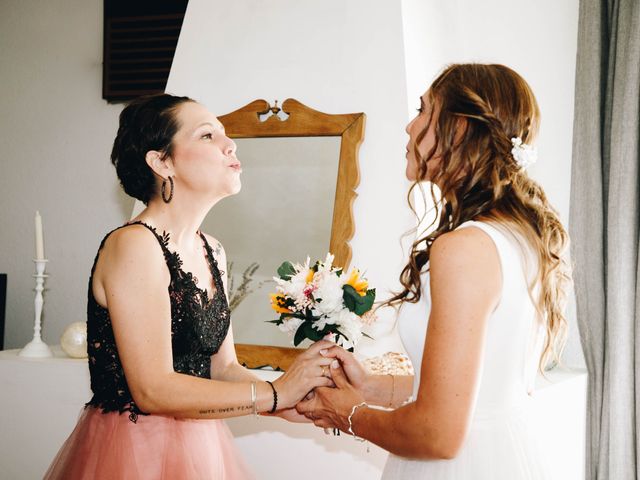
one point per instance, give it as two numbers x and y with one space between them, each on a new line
478 109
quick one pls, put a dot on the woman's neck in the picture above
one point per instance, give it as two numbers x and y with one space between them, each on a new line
182 222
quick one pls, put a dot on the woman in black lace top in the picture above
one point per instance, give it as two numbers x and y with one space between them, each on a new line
161 355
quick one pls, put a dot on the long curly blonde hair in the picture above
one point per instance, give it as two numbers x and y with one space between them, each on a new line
478 178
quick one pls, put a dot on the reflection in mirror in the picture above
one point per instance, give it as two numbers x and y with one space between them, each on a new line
283 212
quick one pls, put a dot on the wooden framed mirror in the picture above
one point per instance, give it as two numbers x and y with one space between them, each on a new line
258 120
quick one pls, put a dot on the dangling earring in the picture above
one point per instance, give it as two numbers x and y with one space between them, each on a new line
164 183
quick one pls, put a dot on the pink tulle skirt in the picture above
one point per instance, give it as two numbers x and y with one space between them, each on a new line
109 446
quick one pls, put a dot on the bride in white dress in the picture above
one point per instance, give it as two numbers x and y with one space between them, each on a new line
483 299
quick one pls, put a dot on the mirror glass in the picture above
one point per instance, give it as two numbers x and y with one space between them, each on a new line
283 212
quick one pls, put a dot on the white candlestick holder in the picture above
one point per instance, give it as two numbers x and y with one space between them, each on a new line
36 348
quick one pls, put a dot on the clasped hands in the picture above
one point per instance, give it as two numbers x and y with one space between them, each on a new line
337 383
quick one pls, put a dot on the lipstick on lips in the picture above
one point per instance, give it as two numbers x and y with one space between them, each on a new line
236 166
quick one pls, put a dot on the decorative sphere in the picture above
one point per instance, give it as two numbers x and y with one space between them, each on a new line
74 340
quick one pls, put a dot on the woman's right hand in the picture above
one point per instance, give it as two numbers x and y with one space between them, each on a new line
354 370
308 371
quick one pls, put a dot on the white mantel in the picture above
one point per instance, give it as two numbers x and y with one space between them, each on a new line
40 400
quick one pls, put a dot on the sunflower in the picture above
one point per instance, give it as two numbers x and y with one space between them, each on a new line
278 303
358 283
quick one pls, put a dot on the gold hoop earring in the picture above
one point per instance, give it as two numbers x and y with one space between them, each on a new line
164 183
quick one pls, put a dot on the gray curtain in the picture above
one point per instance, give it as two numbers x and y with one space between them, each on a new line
604 227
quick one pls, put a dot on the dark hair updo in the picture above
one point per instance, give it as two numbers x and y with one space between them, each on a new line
147 123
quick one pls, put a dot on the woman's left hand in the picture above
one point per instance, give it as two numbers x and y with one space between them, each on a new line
330 407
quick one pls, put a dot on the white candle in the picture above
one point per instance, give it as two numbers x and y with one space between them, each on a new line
39 239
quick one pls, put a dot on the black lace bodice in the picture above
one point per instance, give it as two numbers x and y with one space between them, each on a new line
199 325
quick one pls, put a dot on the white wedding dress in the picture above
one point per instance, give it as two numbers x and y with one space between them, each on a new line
500 445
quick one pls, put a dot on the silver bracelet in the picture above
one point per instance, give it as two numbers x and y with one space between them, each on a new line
254 397
353 411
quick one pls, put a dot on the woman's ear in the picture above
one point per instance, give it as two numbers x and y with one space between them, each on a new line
161 167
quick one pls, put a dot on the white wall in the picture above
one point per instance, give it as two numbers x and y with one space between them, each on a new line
539 41
335 56
55 144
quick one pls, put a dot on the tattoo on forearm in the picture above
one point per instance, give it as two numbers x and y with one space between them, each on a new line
240 408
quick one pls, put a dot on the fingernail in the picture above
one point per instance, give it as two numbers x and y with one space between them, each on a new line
323 352
335 364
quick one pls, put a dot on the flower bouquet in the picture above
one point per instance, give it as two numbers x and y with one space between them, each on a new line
316 302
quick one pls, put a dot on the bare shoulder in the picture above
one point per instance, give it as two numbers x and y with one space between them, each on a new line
133 248
132 240
130 255
465 263
465 246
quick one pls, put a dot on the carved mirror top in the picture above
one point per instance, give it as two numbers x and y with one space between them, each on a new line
260 119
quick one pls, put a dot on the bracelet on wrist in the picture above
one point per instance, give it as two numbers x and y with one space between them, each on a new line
350 420
254 397
275 398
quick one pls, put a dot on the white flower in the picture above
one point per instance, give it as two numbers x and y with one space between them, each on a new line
328 293
350 326
524 155
290 325
324 320
326 265
318 290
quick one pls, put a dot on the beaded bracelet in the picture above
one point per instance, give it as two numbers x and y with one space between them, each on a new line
275 398
353 411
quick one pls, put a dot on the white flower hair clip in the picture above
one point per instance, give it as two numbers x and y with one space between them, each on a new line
524 155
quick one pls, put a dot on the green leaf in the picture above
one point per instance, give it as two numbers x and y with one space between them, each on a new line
349 295
367 302
355 302
286 270
309 316
311 333
299 336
